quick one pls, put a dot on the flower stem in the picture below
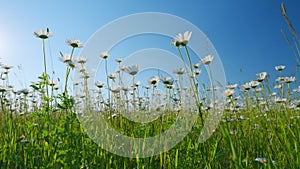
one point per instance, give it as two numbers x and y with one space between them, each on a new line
67 74
45 67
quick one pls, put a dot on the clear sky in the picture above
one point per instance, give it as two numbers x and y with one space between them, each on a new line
245 33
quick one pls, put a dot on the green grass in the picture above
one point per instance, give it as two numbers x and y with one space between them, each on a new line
58 141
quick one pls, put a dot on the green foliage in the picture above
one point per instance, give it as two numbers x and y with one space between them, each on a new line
58 141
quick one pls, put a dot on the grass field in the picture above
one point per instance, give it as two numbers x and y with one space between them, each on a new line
42 126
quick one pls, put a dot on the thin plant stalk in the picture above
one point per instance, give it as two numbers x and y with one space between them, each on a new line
67 74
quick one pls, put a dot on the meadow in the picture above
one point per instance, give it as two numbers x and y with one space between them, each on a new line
45 126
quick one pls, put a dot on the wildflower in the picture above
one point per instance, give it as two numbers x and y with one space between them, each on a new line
85 75
182 40
112 76
246 86
278 86
280 100
5 71
81 60
104 55
51 82
261 76
6 67
253 84
233 132
137 84
170 86
34 100
42 34
76 83
100 84
229 93
279 68
22 137
119 60
232 86
196 66
24 91
125 88
289 79
71 64
115 89
179 71
207 59
82 69
111 117
154 80
132 69
168 80
196 72
75 43
263 160
280 79
297 90
122 68
147 87
66 58
2 89
258 90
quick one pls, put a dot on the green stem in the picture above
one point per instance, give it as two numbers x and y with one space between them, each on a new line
67 74
45 66
192 82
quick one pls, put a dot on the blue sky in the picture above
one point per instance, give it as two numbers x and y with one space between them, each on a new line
246 34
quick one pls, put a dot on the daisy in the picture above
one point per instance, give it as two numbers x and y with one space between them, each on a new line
197 72
182 39
137 84
280 100
280 67
207 59
132 69
167 80
280 79
196 66
100 84
289 79
6 67
115 89
232 86
229 93
112 76
2 89
253 84
278 86
75 43
179 71
24 91
154 80
246 86
42 34
51 82
85 76
81 60
261 76
104 55
119 60
233 132
66 58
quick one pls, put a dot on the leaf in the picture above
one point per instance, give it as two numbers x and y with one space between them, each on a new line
35 87
283 11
